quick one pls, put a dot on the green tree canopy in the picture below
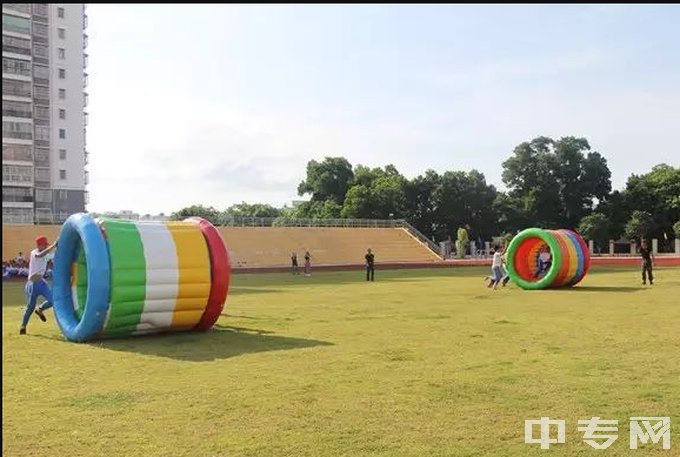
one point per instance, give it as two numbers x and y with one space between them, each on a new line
595 227
327 180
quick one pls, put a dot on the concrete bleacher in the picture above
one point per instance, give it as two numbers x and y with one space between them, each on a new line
272 246
255 247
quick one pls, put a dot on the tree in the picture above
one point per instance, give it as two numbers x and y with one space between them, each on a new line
244 209
376 193
555 183
420 204
615 209
676 229
657 192
327 180
208 213
464 198
328 209
640 225
384 198
595 227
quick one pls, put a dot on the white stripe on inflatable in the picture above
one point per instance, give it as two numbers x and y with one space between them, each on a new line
162 276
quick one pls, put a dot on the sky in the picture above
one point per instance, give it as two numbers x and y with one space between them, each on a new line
219 104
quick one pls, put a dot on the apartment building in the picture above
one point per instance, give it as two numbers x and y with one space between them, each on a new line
44 118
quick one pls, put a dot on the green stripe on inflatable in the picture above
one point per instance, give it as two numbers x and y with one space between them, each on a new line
552 273
81 281
128 277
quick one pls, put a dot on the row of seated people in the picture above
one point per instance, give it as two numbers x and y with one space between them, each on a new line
18 268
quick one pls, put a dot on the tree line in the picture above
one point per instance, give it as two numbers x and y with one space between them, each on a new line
550 183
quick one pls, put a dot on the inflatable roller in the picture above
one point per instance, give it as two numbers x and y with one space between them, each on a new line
539 259
117 278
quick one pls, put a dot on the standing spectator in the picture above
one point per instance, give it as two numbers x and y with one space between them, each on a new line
36 284
647 263
20 258
308 264
370 265
294 263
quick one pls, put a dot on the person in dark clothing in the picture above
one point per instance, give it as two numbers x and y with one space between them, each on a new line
308 264
370 265
647 263
294 263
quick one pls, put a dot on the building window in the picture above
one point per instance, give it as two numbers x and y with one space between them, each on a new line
62 113
60 12
17 152
42 133
41 92
62 134
20 130
61 33
17 173
40 71
42 174
61 52
16 109
16 67
62 94
40 29
16 24
62 73
62 154
41 112
16 88
62 174
16 45
40 50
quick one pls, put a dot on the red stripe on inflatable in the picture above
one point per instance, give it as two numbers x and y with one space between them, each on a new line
523 259
220 272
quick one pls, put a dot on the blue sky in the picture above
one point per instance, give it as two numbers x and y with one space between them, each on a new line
218 104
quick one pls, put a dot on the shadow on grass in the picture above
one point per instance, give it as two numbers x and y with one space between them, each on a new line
602 288
221 342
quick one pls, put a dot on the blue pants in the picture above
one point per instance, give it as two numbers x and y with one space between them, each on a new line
33 289
497 275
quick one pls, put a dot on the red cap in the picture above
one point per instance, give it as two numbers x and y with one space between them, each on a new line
41 240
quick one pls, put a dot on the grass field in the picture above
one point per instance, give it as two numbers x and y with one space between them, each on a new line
419 363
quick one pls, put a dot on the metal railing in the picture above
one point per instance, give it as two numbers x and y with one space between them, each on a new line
282 221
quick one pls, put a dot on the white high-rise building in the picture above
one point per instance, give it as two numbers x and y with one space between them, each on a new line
43 111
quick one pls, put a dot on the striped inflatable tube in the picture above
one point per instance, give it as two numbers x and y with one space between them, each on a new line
539 259
116 278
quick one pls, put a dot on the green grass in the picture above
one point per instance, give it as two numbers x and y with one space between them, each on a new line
419 363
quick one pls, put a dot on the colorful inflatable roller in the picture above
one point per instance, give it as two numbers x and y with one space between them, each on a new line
116 278
539 259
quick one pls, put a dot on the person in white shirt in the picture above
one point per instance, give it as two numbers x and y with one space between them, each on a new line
36 284
496 272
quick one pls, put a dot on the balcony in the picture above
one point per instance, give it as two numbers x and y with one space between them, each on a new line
87 177
85 21
86 40
23 8
86 79
86 98
40 12
86 59
16 45
86 156
86 119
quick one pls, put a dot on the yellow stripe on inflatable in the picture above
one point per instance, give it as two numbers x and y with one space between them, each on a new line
193 261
